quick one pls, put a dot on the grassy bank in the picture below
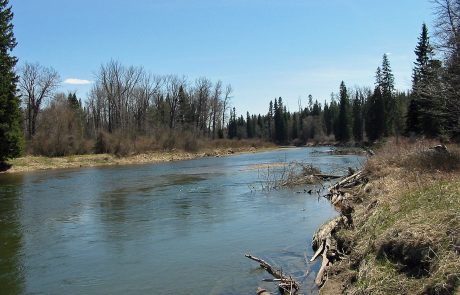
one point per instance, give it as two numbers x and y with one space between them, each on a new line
405 236
217 149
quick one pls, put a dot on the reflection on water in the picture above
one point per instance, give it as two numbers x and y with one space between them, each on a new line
11 276
170 228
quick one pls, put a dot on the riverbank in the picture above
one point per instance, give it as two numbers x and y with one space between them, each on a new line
34 163
403 235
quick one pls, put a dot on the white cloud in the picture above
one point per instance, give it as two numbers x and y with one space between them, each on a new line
73 81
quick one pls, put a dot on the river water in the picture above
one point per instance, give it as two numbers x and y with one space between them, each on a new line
172 228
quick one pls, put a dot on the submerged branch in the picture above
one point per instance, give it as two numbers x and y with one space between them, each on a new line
286 283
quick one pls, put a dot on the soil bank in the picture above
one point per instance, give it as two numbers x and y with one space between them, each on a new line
34 163
404 235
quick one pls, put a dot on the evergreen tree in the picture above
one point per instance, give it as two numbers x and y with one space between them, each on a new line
412 116
295 126
316 111
425 112
343 134
270 120
375 121
185 114
310 104
357 118
387 91
10 127
232 125
423 52
328 119
249 126
73 102
334 113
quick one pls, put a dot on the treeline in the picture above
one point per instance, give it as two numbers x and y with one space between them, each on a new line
127 110
352 115
430 109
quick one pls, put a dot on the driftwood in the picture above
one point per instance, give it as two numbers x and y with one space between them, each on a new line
326 246
286 283
327 176
324 243
349 181
261 291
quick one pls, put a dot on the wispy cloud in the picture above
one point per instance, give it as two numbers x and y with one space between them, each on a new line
73 81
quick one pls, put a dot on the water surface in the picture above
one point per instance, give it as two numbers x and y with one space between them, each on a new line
172 228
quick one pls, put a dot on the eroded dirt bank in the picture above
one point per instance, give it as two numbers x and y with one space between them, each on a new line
399 231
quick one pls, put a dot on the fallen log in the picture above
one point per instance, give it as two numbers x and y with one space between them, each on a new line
325 231
324 241
318 252
347 181
325 246
327 176
321 276
286 283
261 291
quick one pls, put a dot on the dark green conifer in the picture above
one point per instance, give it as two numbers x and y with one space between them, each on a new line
343 134
357 118
10 127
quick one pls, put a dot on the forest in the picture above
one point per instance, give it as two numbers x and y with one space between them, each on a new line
130 110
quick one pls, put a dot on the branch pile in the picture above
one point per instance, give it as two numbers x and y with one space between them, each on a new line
324 243
286 284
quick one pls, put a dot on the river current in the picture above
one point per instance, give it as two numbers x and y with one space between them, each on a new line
172 228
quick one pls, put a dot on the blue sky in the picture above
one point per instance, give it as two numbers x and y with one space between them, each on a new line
264 48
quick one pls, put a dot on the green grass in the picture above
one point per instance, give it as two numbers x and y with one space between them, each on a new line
409 241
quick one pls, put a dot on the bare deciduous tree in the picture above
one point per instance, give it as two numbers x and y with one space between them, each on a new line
447 23
36 83
216 106
226 102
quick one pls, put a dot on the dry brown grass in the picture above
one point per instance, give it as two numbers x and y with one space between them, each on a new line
33 163
406 234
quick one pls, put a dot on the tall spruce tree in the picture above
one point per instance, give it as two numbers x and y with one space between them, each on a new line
343 134
426 110
328 119
424 53
375 121
10 127
232 124
358 118
249 126
387 91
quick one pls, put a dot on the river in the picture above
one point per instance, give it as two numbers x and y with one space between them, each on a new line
172 228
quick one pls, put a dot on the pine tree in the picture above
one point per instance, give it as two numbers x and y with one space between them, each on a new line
185 114
316 111
327 119
295 126
412 117
387 91
424 53
232 124
10 129
249 126
270 120
343 134
357 118
425 114
73 101
375 121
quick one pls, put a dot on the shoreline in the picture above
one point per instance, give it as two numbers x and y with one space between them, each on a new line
398 226
31 163
40 163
